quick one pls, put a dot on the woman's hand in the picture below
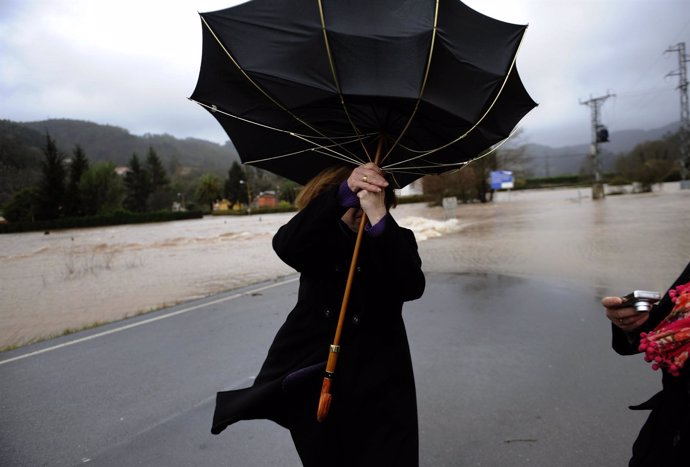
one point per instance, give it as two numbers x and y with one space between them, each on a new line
369 183
373 205
625 318
367 177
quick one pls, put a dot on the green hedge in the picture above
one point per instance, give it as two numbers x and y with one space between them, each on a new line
551 182
243 212
117 218
410 199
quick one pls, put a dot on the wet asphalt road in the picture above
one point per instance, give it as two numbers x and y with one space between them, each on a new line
510 372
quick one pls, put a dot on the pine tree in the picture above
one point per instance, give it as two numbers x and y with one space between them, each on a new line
51 189
160 197
137 186
157 176
74 202
235 191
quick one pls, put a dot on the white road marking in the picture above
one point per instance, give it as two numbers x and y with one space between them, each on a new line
147 321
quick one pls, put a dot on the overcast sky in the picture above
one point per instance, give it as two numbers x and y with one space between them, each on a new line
133 63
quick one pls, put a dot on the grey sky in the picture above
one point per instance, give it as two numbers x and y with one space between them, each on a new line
132 63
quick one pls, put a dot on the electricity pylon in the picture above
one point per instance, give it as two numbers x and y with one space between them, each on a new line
599 135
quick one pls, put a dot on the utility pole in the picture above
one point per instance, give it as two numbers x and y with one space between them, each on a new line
684 130
599 135
249 195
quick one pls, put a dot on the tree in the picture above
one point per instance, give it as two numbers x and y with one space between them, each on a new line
481 172
651 162
208 190
137 186
102 189
21 206
157 176
51 188
461 184
73 199
235 191
287 190
472 181
160 196
183 189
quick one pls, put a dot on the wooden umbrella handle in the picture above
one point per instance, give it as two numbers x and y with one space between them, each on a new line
326 394
325 399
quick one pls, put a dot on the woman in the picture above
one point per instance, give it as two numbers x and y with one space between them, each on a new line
665 438
373 416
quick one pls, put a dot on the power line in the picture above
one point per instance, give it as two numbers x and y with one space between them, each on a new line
643 73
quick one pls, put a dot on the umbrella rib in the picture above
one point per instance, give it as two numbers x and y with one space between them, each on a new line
414 168
464 135
261 90
422 88
305 138
462 164
336 81
318 149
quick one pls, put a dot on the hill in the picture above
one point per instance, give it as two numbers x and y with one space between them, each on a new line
545 161
115 144
20 158
21 145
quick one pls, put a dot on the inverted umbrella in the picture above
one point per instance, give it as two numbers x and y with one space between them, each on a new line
417 86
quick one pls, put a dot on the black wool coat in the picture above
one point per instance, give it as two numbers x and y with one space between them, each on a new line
373 417
665 437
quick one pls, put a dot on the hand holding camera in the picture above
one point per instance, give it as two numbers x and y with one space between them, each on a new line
640 300
630 311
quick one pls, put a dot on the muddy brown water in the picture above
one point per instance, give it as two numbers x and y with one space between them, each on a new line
75 278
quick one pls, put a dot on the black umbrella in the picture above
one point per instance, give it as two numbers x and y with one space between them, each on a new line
300 85
418 86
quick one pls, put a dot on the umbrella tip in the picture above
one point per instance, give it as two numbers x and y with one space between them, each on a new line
324 407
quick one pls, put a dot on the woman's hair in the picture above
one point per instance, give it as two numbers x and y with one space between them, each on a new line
331 178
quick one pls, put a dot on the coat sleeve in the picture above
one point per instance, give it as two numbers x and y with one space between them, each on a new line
396 260
308 237
628 343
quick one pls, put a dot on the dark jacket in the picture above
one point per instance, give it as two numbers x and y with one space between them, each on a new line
373 417
665 437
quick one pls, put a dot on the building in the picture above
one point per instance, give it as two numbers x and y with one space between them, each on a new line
266 199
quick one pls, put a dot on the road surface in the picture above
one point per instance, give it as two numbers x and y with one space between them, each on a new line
510 372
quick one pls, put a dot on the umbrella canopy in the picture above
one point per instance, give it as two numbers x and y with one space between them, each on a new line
300 85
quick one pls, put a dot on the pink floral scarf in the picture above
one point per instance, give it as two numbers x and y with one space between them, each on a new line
668 345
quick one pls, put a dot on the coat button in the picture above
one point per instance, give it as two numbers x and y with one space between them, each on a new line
359 269
327 313
355 319
676 439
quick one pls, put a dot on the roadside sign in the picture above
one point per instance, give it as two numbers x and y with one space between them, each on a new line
501 180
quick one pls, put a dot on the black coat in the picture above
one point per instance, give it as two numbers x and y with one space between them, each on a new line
373 417
665 437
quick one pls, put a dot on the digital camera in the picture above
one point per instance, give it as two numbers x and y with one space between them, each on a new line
641 300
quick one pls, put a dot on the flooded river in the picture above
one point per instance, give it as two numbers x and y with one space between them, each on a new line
615 244
76 278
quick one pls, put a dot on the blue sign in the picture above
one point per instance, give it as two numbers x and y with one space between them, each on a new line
501 179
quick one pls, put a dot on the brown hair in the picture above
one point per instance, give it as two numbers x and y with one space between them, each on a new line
331 178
